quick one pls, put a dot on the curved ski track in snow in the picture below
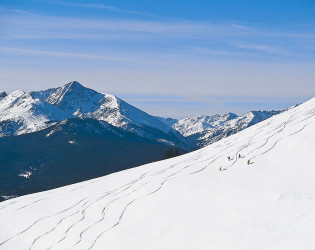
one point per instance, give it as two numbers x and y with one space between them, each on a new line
71 227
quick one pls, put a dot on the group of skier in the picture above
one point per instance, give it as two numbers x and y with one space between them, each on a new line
229 158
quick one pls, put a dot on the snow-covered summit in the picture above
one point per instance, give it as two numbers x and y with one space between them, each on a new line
28 112
186 202
73 97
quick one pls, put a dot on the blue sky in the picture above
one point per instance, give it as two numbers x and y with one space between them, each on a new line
169 58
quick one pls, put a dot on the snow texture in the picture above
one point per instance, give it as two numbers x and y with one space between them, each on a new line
186 202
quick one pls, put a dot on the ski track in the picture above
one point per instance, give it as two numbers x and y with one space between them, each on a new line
169 173
83 216
56 194
4 206
49 216
83 211
41 219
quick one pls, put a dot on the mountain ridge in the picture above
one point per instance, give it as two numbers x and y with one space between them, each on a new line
30 112
22 113
204 129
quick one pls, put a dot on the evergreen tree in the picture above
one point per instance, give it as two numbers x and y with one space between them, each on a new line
169 153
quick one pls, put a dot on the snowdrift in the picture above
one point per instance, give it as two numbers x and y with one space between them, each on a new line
186 202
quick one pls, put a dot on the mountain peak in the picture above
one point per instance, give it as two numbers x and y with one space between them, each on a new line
229 114
73 84
71 94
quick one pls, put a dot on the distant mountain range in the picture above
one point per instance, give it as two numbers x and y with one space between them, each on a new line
72 133
204 130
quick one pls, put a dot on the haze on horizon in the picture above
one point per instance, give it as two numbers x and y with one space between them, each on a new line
169 58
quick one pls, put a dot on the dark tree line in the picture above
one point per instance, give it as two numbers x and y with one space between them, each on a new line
169 153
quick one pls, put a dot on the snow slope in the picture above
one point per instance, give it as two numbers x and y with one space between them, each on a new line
186 202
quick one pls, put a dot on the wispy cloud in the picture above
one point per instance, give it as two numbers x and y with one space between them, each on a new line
73 55
17 11
173 29
132 59
198 39
46 25
262 48
104 7
19 24
216 52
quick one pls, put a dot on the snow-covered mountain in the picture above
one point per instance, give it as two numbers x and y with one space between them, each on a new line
230 127
192 125
204 130
22 113
186 202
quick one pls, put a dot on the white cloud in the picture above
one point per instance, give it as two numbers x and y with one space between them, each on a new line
25 25
263 48
72 55
104 7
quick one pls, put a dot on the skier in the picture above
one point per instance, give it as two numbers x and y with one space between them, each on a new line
248 162
239 155
229 158
220 169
